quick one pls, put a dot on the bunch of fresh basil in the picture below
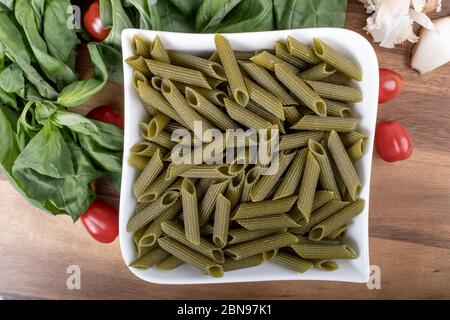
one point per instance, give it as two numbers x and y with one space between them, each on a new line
50 155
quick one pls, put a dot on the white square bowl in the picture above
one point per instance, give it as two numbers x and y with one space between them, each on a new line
345 41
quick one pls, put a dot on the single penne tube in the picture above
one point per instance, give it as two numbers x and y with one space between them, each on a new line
335 91
206 248
209 110
268 61
234 190
321 197
192 257
207 67
356 151
350 138
301 90
344 165
338 233
308 186
236 236
282 52
232 71
267 81
138 63
337 60
254 247
149 259
158 123
208 203
176 73
221 221
156 83
338 219
149 174
275 221
246 117
175 170
292 262
169 263
141 46
302 51
152 210
210 171
267 183
326 176
318 250
190 211
337 175
138 162
325 265
313 122
253 261
214 96
318 72
265 99
158 187
144 149
264 208
291 114
162 138
136 77
319 215
293 176
338 109
139 249
157 51
338 78
298 140
263 113
251 178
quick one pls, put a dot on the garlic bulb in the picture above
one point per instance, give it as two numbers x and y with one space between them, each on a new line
433 50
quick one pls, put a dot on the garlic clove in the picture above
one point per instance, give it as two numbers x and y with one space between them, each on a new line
433 50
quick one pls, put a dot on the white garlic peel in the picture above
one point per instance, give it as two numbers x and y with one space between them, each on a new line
433 50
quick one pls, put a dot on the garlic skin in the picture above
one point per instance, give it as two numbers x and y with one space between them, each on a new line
433 50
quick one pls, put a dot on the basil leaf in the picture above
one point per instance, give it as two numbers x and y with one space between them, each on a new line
166 17
27 126
109 136
102 157
212 12
144 14
120 21
75 122
188 8
7 5
116 179
291 14
8 99
106 13
11 79
9 149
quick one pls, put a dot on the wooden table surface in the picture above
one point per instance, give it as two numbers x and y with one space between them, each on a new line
409 218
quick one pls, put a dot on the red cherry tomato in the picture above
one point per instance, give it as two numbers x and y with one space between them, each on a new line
102 222
391 84
393 142
106 114
93 23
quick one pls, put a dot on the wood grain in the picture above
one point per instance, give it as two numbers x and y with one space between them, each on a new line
409 216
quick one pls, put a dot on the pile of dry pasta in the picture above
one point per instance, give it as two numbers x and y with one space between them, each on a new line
223 217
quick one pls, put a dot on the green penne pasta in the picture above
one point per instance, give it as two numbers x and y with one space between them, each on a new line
356 151
302 51
141 46
156 83
136 77
322 197
338 233
264 208
208 203
207 67
293 176
253 261
162 138
246 117
138 63
251 178
338 219
299 139
145 149
254 247
239 164
138 162
268 61
154 230
234 190
266 183
175 170
292 262
301 90
282 52
157 51
318 72
335 91
206 248
214 96
176 73
190 256
158 187
203 186
214 57
265 99
319 215
152 210
318 250
158 123
338 109
169 263
190 211
209 110
291 114
338 78
310 122
350 138
139 249
221 221
263 113
344 165
236 236
211 171
149 174
232 71
308 186
206 230
337 60
326 176
268 82
275 221
325 265
149 259
172 126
